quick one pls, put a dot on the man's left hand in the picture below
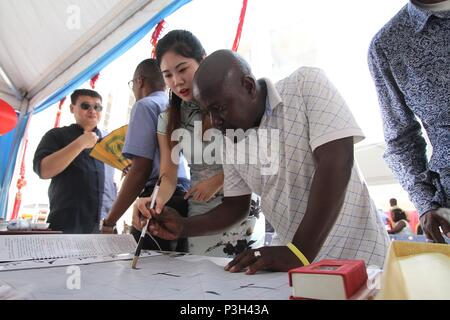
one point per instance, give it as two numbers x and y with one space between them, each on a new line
278 258
430 222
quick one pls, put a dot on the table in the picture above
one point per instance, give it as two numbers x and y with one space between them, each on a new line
163 277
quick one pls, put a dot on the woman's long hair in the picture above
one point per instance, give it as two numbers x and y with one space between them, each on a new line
185 44
399 214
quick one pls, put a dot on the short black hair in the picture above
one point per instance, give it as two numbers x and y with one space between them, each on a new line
393 202
151 73
84 92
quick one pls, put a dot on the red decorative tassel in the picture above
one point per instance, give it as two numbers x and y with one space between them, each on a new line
94 80
155 36
21 182
58 113
240 25
17 203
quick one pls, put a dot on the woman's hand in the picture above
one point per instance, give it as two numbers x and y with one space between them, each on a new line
206 189
138 220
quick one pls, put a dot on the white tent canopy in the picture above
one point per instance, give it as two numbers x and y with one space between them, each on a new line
45 44
48 48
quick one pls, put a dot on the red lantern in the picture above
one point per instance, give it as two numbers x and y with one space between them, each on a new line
8 117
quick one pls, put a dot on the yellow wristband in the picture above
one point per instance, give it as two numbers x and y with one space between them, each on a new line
298 253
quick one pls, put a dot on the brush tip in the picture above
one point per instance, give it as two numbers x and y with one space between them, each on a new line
134 263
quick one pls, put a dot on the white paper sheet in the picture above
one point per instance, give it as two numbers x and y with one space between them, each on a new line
28 247
58 262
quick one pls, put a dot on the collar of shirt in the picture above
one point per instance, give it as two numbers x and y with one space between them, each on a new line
156 93
273 98
190 112
419 16
190 105
81 129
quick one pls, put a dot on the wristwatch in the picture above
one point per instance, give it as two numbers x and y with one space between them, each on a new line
105 225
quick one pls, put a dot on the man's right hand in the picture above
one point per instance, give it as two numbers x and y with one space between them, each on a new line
167 225
88 139
430 222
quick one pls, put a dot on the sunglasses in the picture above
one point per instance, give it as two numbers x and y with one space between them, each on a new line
87 106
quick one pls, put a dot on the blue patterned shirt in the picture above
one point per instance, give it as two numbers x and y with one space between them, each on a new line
409 59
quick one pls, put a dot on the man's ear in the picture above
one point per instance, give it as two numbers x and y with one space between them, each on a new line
139 82
71 108
249 85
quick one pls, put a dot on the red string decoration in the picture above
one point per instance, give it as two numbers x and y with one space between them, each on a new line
58 113
155 36
240 25
94 80
21 182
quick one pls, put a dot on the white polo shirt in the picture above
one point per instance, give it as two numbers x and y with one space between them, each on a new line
308 112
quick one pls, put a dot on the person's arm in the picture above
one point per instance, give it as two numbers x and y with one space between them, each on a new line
405 147
170 225
132 185
231 211
398 227
140 146
206 189
58 161
334 162
168 171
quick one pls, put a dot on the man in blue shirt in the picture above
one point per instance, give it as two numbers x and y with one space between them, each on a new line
409 59
141 145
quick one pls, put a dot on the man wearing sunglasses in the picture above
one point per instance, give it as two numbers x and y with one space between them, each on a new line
77 188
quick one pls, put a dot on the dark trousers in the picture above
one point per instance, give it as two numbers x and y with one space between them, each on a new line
178 203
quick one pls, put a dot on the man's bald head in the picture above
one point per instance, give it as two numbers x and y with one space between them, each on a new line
225 87
221 68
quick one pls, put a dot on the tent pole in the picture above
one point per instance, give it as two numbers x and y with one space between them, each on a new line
5 184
